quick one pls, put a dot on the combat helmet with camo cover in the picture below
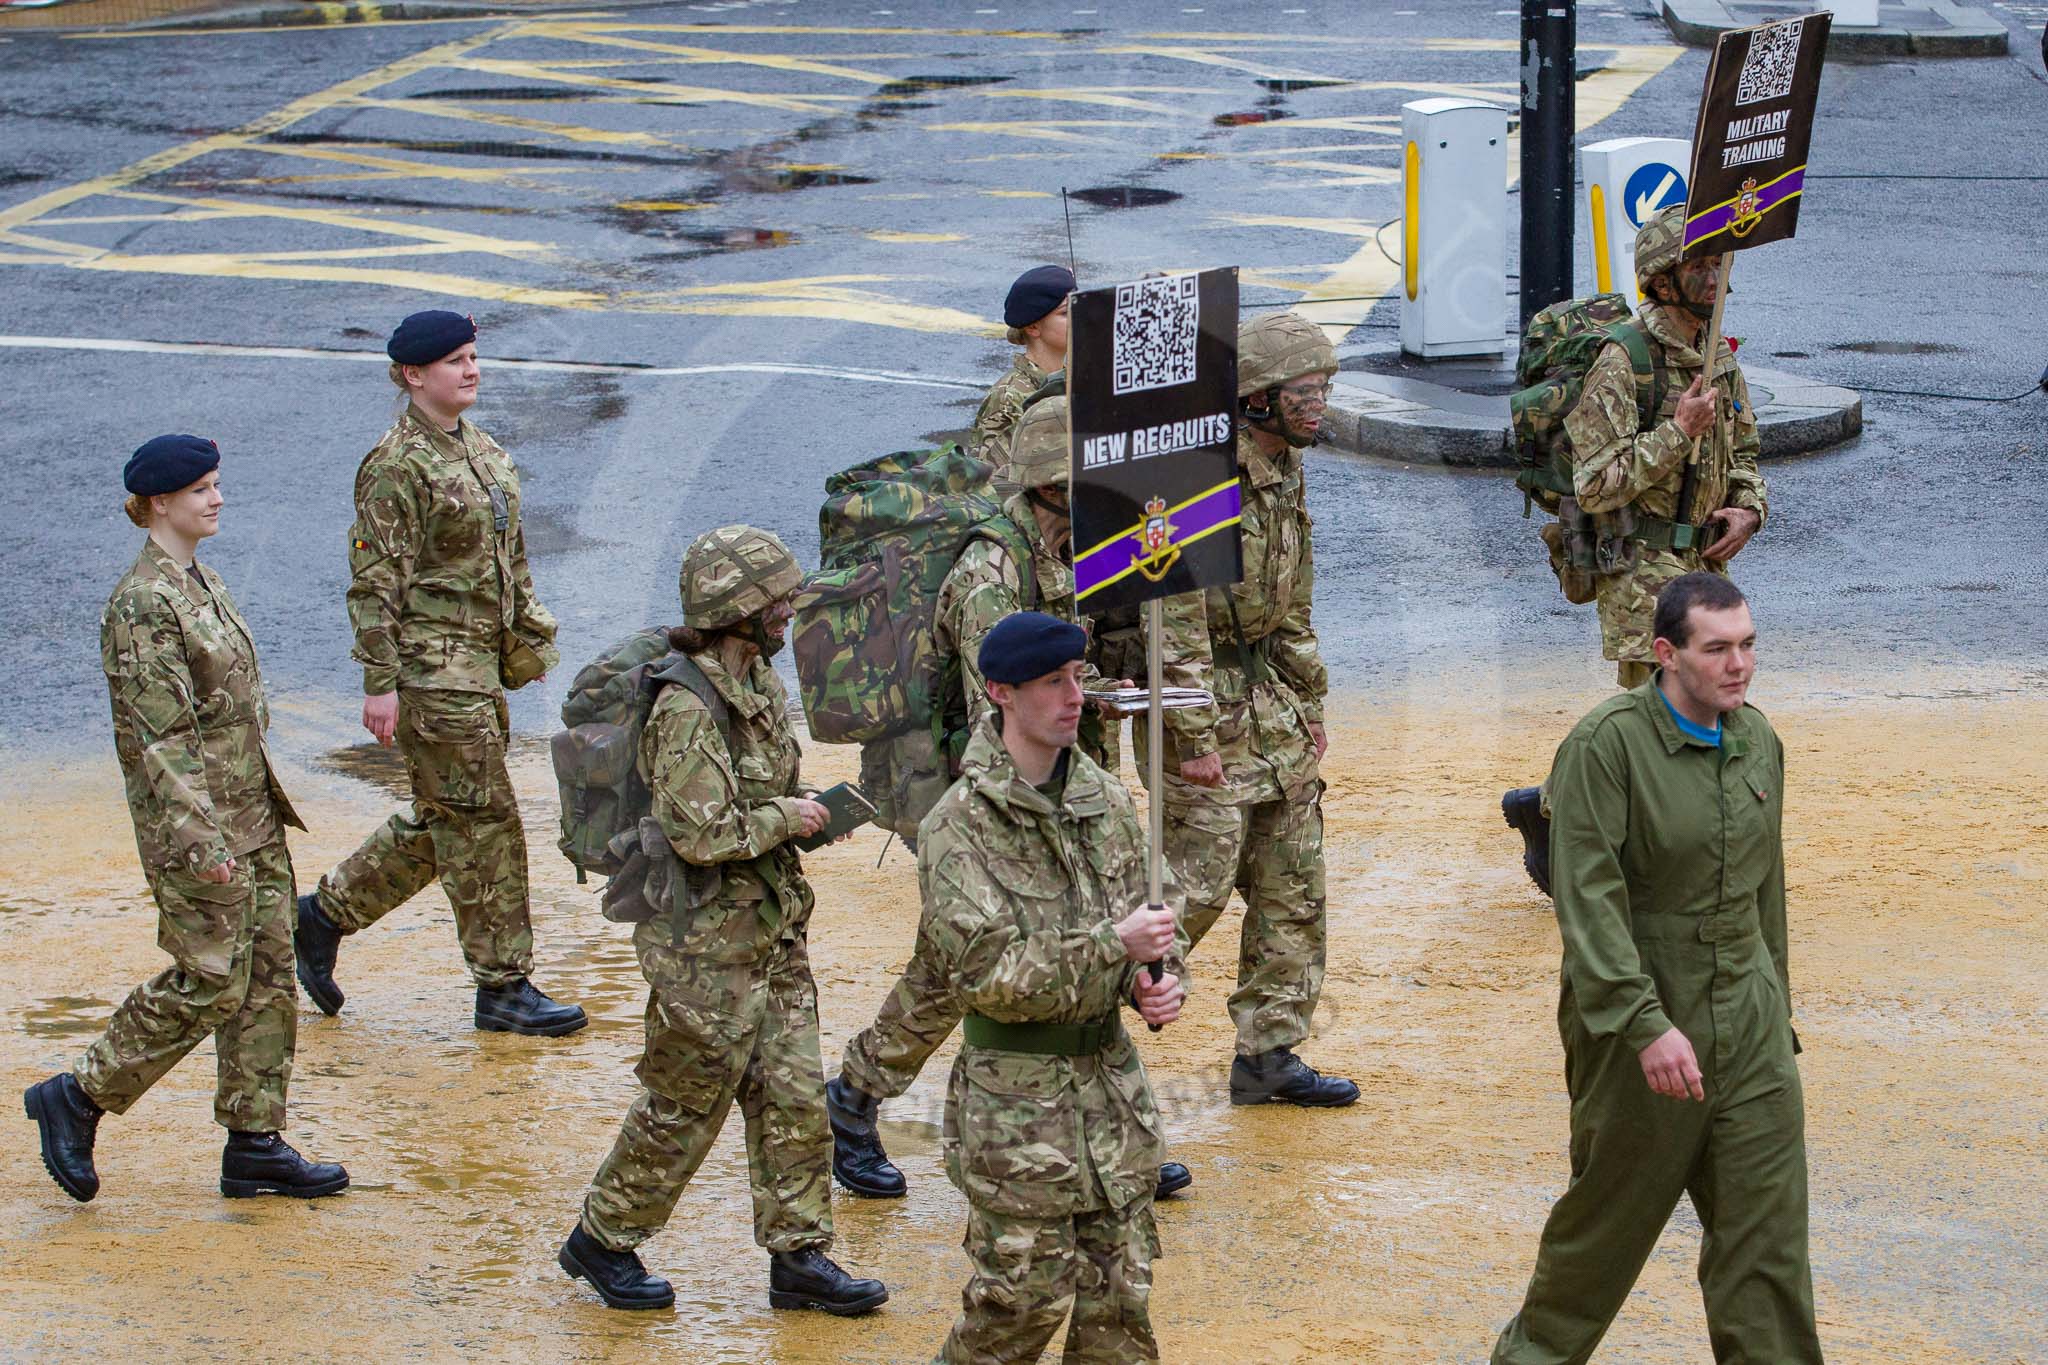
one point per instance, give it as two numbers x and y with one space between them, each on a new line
732 573
1038 445
1274 348
1659 244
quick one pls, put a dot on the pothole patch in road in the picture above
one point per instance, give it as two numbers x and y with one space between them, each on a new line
1124 196
518 93
1898 348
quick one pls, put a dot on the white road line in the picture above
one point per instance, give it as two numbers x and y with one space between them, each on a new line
207 348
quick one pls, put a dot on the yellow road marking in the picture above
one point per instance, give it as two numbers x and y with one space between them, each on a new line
697 94
571 132
1045 130
659 206
1348 227
606 35
1107 99
398 167
1018 194
890 235
454 238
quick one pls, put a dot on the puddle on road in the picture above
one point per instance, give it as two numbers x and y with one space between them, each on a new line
484 147
892 108
66 1016
1898 348
1245 116
913 85
1282 86
1124 196
372 763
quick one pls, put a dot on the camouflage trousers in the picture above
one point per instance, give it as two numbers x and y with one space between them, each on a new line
463 828
919 1014
231 977
1627 604
1272 853
1027 1271
717 1031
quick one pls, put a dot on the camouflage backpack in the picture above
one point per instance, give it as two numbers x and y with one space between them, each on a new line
603 797
867 670
1558 349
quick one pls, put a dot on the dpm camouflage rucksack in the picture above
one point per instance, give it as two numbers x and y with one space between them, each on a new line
1558 348
604 800
890 531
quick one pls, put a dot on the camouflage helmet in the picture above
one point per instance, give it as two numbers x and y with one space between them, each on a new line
1659 244
1276 347
1038 446
732 573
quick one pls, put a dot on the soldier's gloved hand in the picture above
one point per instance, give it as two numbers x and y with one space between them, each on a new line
1696 408
1203 772
811 817
1737 524
1671 1068
380 716
220 874
1159 1001
1146 933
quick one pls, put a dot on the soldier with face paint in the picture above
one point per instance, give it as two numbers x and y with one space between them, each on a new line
732 1011
210 817
1243 776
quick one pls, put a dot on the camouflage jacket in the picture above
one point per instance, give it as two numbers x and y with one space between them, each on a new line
985 585
189 717
997 416
1260 729
1616 465
731 810
1021 895
436 585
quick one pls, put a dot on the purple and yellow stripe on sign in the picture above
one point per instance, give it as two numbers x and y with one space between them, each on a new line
1724 216
1117 558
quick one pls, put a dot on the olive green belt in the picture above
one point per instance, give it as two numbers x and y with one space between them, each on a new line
1658 534
1052 1040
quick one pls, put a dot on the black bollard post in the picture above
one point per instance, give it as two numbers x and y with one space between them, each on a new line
1549 41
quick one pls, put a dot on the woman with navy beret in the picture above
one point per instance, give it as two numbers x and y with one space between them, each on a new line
446 621
210 816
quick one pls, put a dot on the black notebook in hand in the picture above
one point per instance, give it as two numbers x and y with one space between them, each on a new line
850 809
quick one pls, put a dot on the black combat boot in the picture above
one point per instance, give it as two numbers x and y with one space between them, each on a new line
520 1008
1173 1178
619 1277
264 1163
68 1120
1280 1076
811 1279
318 943
1522 808
857 1156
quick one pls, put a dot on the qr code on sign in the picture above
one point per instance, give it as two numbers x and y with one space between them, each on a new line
1157 323
1773 57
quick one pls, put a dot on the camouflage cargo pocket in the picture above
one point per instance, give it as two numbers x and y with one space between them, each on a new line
200 923
451 748
1016 1132
695 1049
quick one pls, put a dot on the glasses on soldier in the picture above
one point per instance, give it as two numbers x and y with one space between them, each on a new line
1306 393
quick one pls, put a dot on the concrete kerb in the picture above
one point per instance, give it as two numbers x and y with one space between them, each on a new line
1417 422
1917 28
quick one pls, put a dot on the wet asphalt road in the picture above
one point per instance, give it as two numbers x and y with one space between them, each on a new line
841 187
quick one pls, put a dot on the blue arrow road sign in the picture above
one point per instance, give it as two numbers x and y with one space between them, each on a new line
1652 187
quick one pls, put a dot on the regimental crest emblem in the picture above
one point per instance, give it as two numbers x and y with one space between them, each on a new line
1747 213
1157 538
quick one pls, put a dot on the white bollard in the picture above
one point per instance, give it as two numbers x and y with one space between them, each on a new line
1454 256
1627 180
1855 13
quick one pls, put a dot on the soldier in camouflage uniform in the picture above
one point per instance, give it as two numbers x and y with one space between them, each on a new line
1033 875
1243 782
445 620
189 721
732 1011
986 584
1631 480
1035 317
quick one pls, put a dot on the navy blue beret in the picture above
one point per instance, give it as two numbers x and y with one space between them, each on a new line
425 337
1026 645
168 464
1037 292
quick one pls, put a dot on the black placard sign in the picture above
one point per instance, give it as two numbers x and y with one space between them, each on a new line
1749 148
1152 402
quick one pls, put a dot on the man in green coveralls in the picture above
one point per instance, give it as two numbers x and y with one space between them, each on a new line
1675 1007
